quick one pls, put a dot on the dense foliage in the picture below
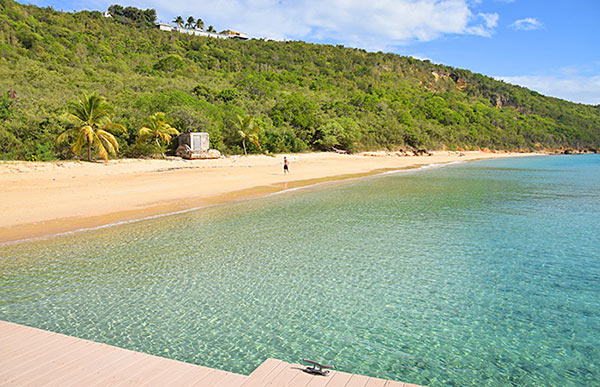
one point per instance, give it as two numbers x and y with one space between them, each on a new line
305 96
144 18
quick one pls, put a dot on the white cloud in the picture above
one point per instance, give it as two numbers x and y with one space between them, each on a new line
580 89
527 24
376 24
491 19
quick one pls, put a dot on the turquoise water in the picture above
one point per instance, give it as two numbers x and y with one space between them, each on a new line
483 273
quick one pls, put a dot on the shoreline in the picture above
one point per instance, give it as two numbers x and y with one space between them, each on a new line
43 200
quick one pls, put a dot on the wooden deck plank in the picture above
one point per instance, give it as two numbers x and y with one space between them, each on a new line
263 369
30 370
357 381
21 342
264 379
376 382
169 376
96 373
302 378
172 367
286 376
6 330
33 357
130 366
21 366
232 380
191 377
211 379
134 376
339 379
393 383
130 362
320 381
64 366
56 373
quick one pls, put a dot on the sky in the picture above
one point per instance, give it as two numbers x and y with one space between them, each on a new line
547 46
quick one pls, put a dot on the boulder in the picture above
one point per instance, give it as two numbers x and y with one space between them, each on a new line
183 150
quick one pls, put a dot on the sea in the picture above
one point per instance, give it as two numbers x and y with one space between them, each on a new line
481 273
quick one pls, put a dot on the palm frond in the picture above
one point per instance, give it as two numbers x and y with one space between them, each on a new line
64 136
82 139
109 141
114 127
100 147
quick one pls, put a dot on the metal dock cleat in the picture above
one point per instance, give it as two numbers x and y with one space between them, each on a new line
316 369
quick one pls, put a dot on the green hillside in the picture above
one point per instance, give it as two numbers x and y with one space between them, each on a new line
306 96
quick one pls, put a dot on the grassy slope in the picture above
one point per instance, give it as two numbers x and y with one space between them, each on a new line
306 96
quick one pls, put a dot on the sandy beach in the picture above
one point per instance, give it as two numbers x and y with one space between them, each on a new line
46 198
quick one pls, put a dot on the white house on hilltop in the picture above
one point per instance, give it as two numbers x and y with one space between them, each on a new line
164 27
197 32
236 35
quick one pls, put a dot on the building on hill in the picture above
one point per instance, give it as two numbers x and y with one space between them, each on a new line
106 14
164 27
197 32
236 35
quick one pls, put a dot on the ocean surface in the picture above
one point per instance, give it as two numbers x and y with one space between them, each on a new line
481 273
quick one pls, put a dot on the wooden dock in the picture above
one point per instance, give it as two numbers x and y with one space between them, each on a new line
34 357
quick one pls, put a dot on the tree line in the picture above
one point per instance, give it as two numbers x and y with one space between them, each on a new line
303 96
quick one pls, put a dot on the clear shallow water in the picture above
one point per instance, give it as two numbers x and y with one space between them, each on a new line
485 273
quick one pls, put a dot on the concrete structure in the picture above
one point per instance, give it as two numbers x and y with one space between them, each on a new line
236 35
164 27
196 145
197 32
193 31
197 141
34 357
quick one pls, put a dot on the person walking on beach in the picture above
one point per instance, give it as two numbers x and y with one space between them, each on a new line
286 168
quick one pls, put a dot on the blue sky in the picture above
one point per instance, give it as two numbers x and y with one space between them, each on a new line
548 46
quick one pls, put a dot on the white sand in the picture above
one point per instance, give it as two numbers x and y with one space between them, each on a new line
40 199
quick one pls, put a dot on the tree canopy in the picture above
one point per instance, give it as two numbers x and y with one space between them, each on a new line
305 96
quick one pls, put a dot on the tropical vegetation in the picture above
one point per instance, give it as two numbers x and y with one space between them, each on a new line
91 126
157 128
248 130
305 96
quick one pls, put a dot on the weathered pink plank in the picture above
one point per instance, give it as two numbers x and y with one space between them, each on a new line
264 369
33 357
339 379
93 374
357 381
376 382
302 378
171 375
393 383
286 376
232 380
261 381
211 379
25 368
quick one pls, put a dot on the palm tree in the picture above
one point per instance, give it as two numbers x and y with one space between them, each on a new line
211 29
247 129
91 117
178 21
190 22
199 24
156 127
